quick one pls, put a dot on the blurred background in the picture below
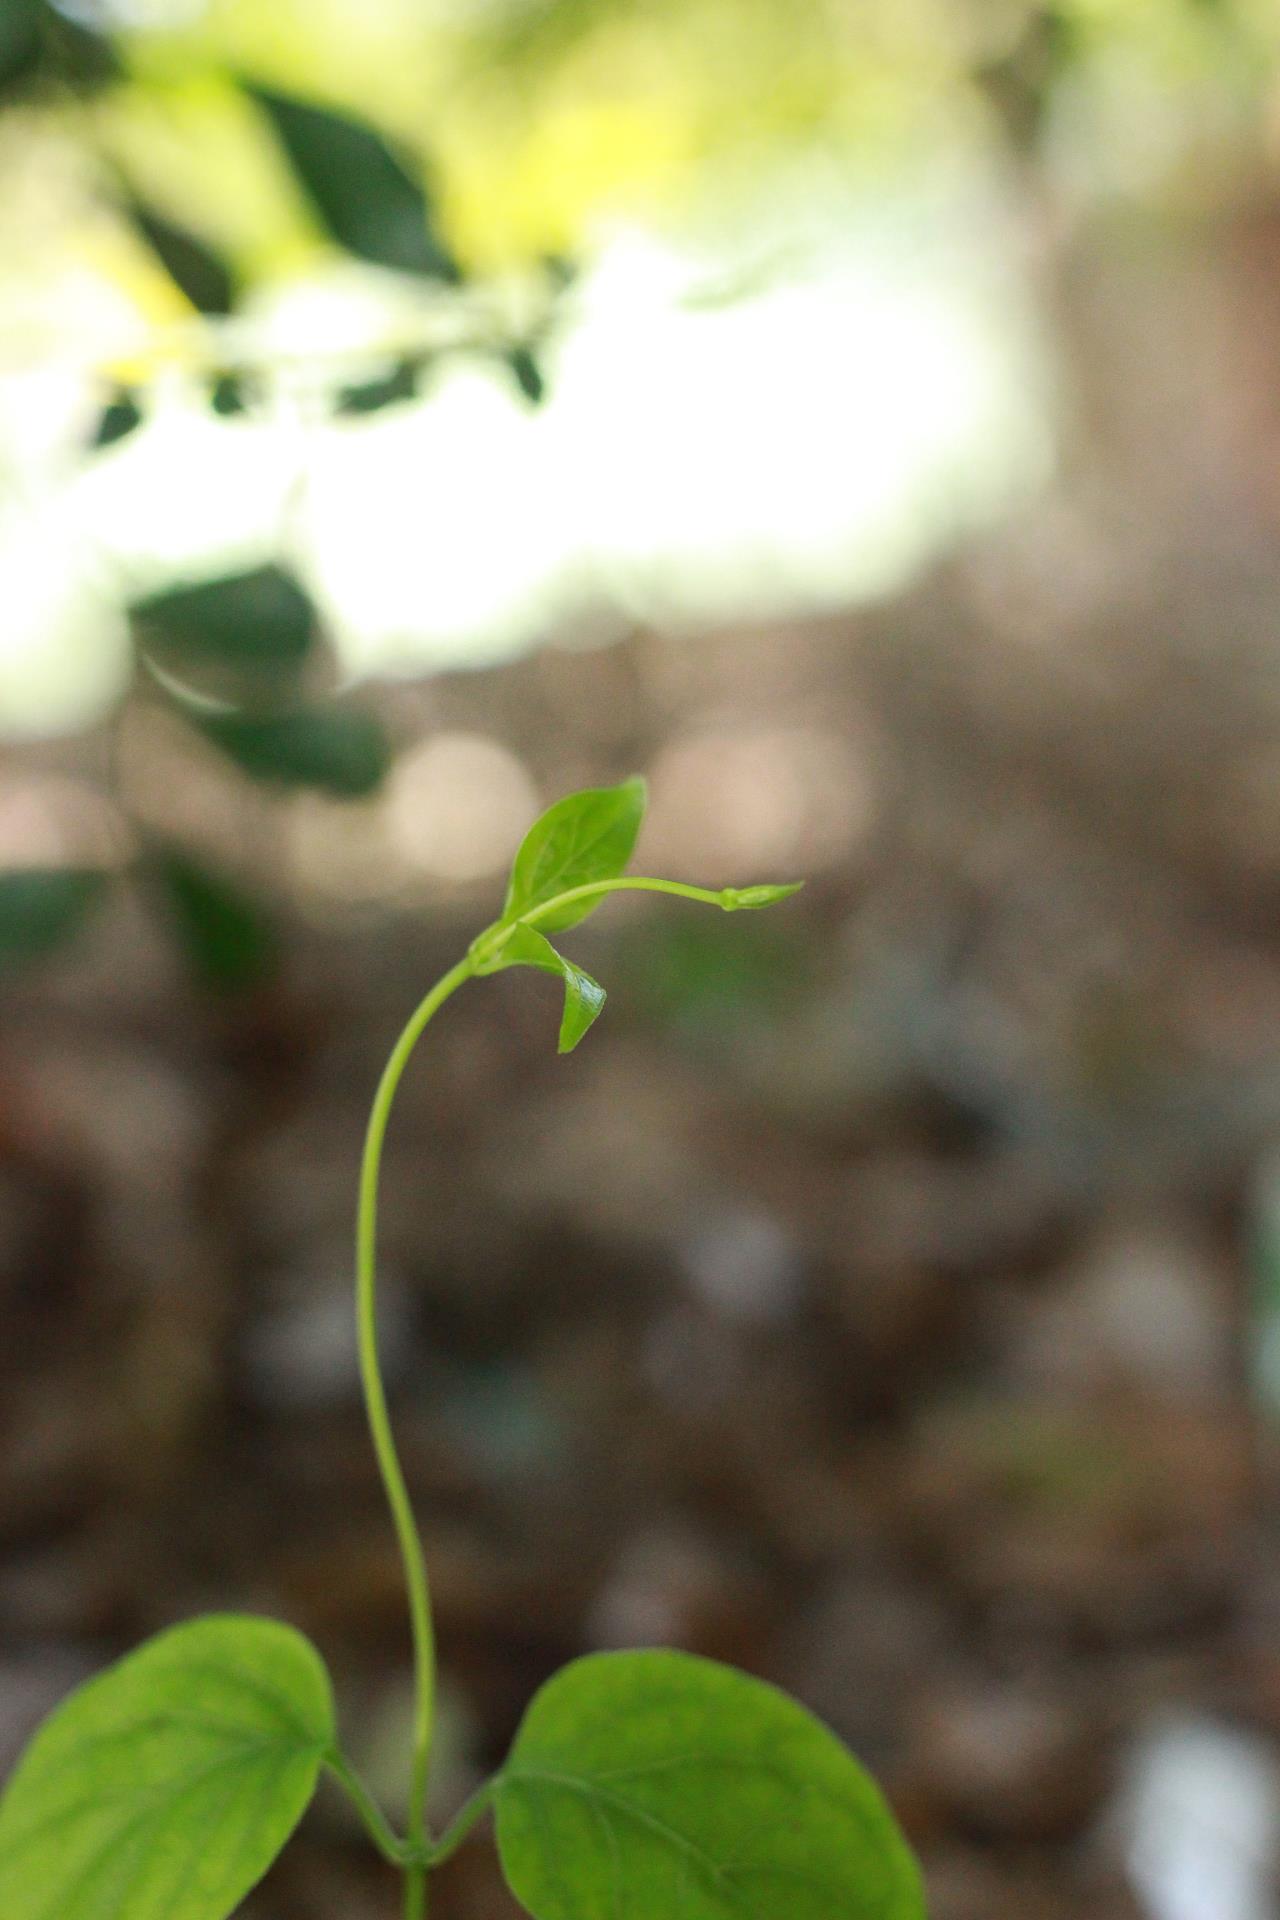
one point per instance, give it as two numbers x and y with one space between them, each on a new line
862 417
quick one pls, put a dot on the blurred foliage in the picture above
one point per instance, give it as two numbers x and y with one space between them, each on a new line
195 157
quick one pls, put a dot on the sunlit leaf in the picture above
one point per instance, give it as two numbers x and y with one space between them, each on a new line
584 837
363 193
41 908
338 750
652 1784
164 1788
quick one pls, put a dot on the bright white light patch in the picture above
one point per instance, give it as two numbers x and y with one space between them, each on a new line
806 444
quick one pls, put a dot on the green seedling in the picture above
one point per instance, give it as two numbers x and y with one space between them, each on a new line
640 1786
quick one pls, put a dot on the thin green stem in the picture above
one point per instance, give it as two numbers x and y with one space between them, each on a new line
384 1446
372 1818
415 1852
415 1892
460 1826
626 883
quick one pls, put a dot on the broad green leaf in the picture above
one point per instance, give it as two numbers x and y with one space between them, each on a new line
40 907
340 751
584 837
643 1785
226 937
583 996
190 263
261 618
362 192
164 1788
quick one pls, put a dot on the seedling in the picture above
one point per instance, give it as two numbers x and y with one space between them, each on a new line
640 1786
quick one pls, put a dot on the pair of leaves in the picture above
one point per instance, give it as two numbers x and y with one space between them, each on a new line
583 838
639 1784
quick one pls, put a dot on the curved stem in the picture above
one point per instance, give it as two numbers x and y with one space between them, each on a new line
625 883
372 1818
415 1852
384 1446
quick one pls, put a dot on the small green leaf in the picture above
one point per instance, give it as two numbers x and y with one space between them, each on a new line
260 618
164 1788
120 417
733 898
339 751
648 1784
361 190
398 384
529 377
41 907
583 996
226 937
584 837
190 263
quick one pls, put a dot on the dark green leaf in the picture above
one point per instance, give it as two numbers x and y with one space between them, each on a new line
192 265
340 751
164 1788
529 375
583 996
78 55
226 936
229 394
649 1784
260 618
41 907
117 420
363 193
401 383
584 837
19 43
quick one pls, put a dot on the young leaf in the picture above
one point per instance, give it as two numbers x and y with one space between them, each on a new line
643 1784
733 898
583 996
584 837
164 1788
365 196
343 752
40 907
